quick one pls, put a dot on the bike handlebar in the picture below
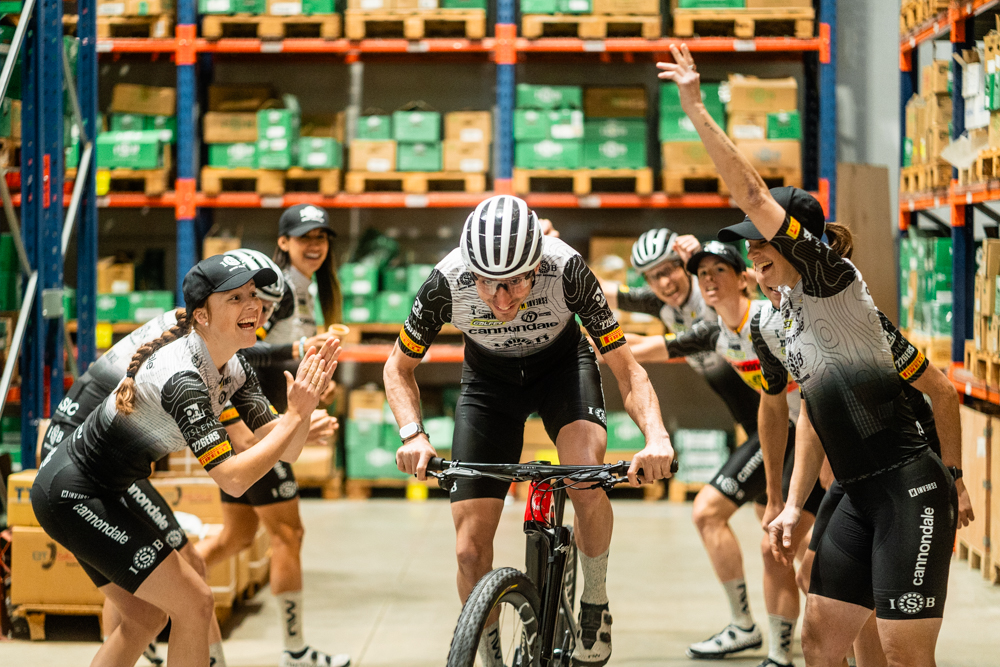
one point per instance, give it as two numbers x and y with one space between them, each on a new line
535 469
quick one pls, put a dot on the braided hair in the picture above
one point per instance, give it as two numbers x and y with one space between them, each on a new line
125 395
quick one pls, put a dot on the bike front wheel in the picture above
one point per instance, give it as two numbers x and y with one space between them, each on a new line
515 599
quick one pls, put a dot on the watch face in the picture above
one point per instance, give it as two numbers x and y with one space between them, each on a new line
408 430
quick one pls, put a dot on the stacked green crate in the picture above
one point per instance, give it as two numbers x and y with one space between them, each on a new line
700 453
926 285
548 127
370 441
134 306
418 140
320 153
10 279
141 149
232 6
278 135
10 440
675 126
359 283
614 143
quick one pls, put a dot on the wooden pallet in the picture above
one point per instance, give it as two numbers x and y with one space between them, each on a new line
937 176
270 182
418 24
914 14
984 366
414 182
361 489
10 153
937 349
591 26
386 333
678 491
35 615
153 27
693 180
911 179
978 557
331 488
584 181
745 23
150 182
986 167
323 26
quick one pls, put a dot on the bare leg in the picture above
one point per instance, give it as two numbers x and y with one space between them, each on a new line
829 629
584 443
476 522
711 517
284 525
138 623
239 526
909 643
868 646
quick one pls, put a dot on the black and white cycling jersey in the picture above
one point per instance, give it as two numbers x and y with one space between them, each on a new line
180 396
564 286
838 351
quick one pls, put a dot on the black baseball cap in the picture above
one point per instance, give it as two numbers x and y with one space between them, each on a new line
220 273
726 253
798 203
301 219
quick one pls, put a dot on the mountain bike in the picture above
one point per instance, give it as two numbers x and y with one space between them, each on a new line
536 607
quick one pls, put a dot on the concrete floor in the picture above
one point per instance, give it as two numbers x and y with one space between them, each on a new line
380 585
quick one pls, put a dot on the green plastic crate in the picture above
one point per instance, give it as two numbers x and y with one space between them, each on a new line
127 122
393 278
675 126
700 453
530 96
416 126
670 98
8 253
375 128
369 454
129 150
574 6
317 7
548 154
711 4
440 431
614 155
613 128
418 156
538 124
358 279
463 4
113 308
539 6
393 307
147 305
320 153
416 276
359 309
623 434
233 156
784 125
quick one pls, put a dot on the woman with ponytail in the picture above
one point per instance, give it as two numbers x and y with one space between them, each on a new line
173 393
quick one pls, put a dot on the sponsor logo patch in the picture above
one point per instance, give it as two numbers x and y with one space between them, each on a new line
214 453
794 228
229 414
916 491
913 603
174 538
409 344
144 558
913 367
287 489
612 337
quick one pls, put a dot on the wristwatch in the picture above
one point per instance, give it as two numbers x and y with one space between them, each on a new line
956 472
411 430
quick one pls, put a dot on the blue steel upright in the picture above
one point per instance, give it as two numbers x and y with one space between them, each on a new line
86 231
187 100
506 59
963 244
828 103
42 214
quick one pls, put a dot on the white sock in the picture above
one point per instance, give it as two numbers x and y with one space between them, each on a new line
489 647
215 656
595 578
739 606
780 643
852 662
290 619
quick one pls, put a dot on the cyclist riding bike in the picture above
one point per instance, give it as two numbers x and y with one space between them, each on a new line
888 545
513 293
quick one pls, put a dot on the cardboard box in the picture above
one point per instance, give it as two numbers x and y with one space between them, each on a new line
993 132
627 129
223 576
320 153
475 127
747 126
613 154
938 138
418 156
772 154
466 157
990 262
641 7
111 8
936 78
238 98
416 126
315 462
219 242
329 125
148 7
369 5
377 156
609 256
225 127
113 278
19 511
233 156
685 154
45 572
147 100
939 109
548 154
358 279
749 94
366 404
194 495
129 150
549 97
977 449
615 102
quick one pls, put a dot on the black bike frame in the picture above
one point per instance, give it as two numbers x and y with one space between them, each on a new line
545 565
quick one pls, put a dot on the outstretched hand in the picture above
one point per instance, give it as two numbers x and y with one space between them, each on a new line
312 378
684 73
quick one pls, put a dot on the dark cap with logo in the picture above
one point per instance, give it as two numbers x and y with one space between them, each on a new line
726 253
798 203
301 219
220 273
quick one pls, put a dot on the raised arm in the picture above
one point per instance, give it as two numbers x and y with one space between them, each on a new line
745 184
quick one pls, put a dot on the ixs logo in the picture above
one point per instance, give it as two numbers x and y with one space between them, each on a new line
923 552
68 407
540 301
911 603
916 491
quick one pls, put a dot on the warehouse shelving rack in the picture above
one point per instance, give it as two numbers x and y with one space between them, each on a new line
48 217
505 49
962 201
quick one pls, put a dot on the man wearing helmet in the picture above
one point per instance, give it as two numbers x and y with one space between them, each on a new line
514 294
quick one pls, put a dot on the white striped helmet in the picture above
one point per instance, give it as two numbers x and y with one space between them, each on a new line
652 248
258 260
501 238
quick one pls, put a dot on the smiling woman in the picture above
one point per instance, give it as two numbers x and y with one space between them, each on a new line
172 396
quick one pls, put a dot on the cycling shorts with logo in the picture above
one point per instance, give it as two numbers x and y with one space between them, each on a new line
490 415
277 486
113 540
742 478
888 544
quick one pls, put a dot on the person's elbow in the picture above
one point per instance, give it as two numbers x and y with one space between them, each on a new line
231 478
